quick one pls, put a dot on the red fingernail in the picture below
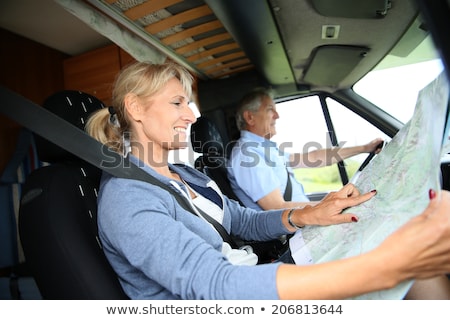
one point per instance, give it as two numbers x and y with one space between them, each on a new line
354 219
431 194
374 191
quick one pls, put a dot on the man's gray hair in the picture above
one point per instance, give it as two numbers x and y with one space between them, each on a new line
251 102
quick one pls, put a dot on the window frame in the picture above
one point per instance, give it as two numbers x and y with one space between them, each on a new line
363 108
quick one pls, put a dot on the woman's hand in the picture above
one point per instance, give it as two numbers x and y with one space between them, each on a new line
329 210
421 248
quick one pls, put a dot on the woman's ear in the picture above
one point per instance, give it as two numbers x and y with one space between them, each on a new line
133 107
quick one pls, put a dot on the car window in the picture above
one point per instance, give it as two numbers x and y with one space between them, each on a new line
393 86
396 81
302 128
352 130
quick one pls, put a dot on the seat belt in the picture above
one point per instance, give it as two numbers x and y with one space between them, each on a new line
78 142
288 192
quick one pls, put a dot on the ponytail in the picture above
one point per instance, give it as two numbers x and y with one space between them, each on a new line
100 127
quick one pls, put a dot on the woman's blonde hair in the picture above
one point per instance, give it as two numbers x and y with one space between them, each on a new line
143 79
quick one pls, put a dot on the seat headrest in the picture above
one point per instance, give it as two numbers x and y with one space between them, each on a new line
72 106
206 138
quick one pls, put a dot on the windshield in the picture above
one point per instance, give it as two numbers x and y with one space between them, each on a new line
394 84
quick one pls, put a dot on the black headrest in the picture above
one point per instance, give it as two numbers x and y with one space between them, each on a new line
72 106
206 138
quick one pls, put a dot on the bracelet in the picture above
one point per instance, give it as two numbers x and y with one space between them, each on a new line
292 224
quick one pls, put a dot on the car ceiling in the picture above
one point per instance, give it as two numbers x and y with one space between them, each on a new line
279 40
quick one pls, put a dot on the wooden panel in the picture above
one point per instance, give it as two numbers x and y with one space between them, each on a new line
93 72
234 63
177 34
148 7
210 52
237 70
192 32
35 76
203 42
29 68
221 59
177 19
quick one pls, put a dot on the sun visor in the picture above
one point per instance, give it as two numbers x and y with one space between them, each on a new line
357 9
331 64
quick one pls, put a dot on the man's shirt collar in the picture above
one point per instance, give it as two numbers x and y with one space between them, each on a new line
250 136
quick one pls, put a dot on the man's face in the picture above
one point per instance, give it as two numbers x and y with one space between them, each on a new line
263 121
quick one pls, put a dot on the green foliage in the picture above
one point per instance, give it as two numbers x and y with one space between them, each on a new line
324 179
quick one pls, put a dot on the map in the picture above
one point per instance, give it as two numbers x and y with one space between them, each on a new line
402 173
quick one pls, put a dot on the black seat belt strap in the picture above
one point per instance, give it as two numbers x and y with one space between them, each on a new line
288 191
78 142
220 229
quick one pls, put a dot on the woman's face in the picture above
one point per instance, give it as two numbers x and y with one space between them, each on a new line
163 120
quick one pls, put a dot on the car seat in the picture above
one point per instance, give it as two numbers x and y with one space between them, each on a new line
207 140
12 262
58 215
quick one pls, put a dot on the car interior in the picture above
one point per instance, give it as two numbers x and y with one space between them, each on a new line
71 51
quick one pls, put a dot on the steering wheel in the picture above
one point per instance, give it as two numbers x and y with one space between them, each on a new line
370 157
366 162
